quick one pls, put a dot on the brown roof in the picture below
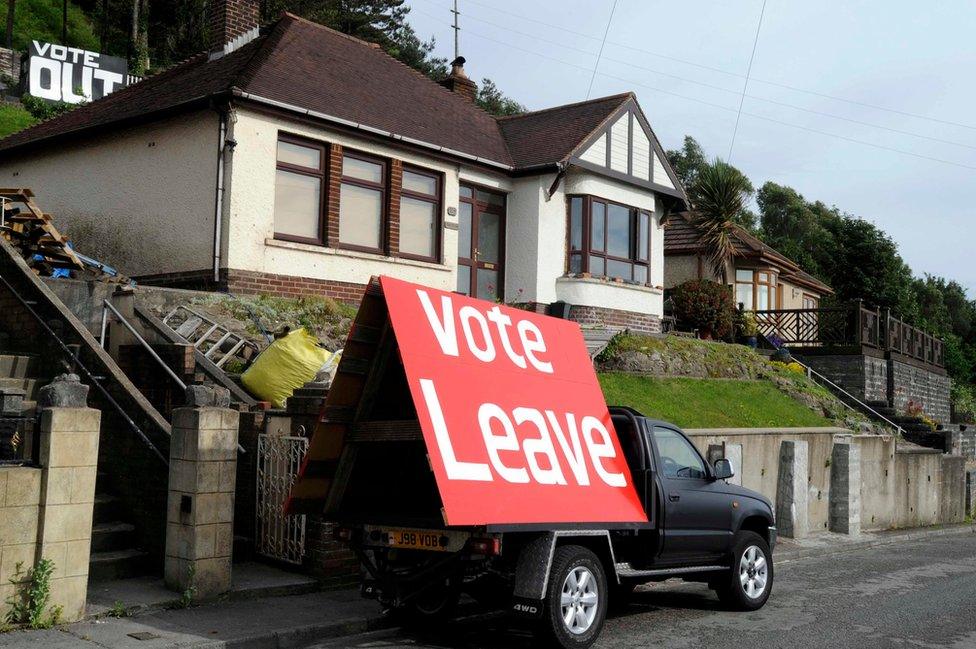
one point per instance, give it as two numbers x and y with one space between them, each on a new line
681 236
551 135
306 65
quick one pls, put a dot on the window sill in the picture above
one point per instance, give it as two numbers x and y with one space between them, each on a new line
643 288
352 254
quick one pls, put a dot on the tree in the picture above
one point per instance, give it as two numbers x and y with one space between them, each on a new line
9 35
378 21
491 99
689 161
718 196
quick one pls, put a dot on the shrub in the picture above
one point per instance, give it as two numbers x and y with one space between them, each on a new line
963 402
706 306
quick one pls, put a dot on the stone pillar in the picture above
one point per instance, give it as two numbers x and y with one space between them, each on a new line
971 493
69 462
845 488
792 517
200 511
733 453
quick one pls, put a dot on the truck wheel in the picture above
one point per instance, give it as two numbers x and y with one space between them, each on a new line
750 581
576 601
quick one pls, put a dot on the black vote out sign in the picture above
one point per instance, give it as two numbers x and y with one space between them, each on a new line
72 75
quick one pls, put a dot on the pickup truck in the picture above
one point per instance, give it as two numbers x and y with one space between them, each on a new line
565 579
466 447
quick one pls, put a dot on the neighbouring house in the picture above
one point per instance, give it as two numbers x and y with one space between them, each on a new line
293 159
761 278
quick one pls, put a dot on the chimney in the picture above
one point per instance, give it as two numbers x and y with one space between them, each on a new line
230 24
457 81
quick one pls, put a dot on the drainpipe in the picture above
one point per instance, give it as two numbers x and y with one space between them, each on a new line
222 145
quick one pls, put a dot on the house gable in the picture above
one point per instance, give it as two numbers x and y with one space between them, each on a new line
625 148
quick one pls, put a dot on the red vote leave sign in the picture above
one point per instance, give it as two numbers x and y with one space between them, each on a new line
514 420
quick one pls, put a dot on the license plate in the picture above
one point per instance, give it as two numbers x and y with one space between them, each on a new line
418 540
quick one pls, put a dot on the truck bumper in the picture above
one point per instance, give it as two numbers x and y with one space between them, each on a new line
772 537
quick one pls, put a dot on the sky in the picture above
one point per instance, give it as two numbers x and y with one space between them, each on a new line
866 105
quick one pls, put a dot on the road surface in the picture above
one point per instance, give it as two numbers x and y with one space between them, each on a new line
909 594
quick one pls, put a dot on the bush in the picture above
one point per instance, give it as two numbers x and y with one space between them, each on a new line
706 306
42 109
964 402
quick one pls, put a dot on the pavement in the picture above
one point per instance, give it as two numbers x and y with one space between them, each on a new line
882 590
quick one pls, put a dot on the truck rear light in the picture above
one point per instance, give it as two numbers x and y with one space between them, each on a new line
486 546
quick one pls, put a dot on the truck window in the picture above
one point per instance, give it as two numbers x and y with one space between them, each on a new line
679 459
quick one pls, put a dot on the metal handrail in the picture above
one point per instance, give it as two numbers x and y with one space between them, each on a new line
77 362
108 306
811 373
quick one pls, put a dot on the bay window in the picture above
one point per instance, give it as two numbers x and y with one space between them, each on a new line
299 191
755 289
608 239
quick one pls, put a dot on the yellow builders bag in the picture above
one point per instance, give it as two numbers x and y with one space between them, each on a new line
286 365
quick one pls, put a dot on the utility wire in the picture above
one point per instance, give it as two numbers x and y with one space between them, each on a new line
596 65
745 86
726 108
716 69
717 87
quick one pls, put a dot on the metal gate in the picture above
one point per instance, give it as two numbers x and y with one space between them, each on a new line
279 458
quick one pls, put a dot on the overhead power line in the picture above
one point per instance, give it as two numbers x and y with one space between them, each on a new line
718 88
596 66
726 108
703 66
745 85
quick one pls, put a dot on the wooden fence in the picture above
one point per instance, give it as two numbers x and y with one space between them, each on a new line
849 326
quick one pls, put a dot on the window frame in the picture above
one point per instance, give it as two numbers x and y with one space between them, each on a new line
437 199
772 283
322 173
587 250
383 187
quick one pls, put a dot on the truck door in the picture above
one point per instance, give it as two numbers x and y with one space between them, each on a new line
697 514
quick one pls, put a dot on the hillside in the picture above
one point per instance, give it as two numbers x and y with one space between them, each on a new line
41 20
699 384
13 118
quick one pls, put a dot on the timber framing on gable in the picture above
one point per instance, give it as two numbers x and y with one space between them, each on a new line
657 155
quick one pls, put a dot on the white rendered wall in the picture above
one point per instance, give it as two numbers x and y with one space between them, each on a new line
141 198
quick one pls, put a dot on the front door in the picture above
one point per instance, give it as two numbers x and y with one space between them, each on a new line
481 243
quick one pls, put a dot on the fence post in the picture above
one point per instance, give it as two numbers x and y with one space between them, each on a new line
202 478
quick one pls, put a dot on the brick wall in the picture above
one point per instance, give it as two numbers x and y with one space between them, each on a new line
911 383
228 19
244 282
615 318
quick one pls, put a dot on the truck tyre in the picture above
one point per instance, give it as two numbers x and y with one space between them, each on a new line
750 581
576 599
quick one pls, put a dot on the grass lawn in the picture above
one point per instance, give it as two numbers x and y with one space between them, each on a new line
13 118
708 403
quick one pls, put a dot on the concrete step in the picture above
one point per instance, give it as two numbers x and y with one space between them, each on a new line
15 366
108 508
112 536
119 564
29 386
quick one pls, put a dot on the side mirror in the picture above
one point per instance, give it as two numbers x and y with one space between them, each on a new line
722 470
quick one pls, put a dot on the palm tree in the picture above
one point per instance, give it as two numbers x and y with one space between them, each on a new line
717 197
